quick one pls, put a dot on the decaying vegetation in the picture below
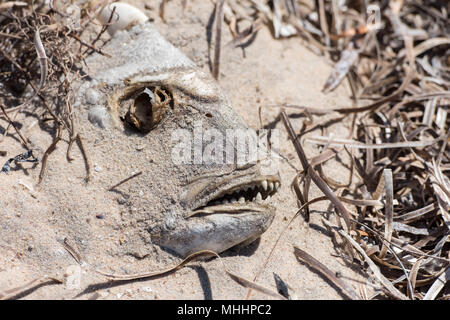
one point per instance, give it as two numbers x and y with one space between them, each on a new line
393 216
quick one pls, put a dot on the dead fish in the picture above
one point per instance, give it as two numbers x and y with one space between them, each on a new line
149 94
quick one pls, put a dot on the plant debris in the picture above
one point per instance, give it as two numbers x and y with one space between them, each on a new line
204 253
396 58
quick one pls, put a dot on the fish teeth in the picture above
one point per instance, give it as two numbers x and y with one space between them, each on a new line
264 185
258 197
267 199
241 200
271 186
233 200
277 185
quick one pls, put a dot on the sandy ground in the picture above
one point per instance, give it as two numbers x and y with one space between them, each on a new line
34 223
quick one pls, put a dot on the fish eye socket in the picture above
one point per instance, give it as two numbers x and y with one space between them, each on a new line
144 108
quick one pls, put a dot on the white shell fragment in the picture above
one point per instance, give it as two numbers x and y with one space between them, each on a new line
125 16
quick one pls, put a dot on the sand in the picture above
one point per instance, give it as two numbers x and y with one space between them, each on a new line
34 221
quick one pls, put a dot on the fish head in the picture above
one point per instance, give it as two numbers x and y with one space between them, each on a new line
211 177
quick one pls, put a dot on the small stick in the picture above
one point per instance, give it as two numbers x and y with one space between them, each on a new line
314 176
389 209
72 250
47 153
10 35
102 31
85 157
315 264
323 22
17 130
69 148
9 124
72 128
219 18
125 180
89 46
